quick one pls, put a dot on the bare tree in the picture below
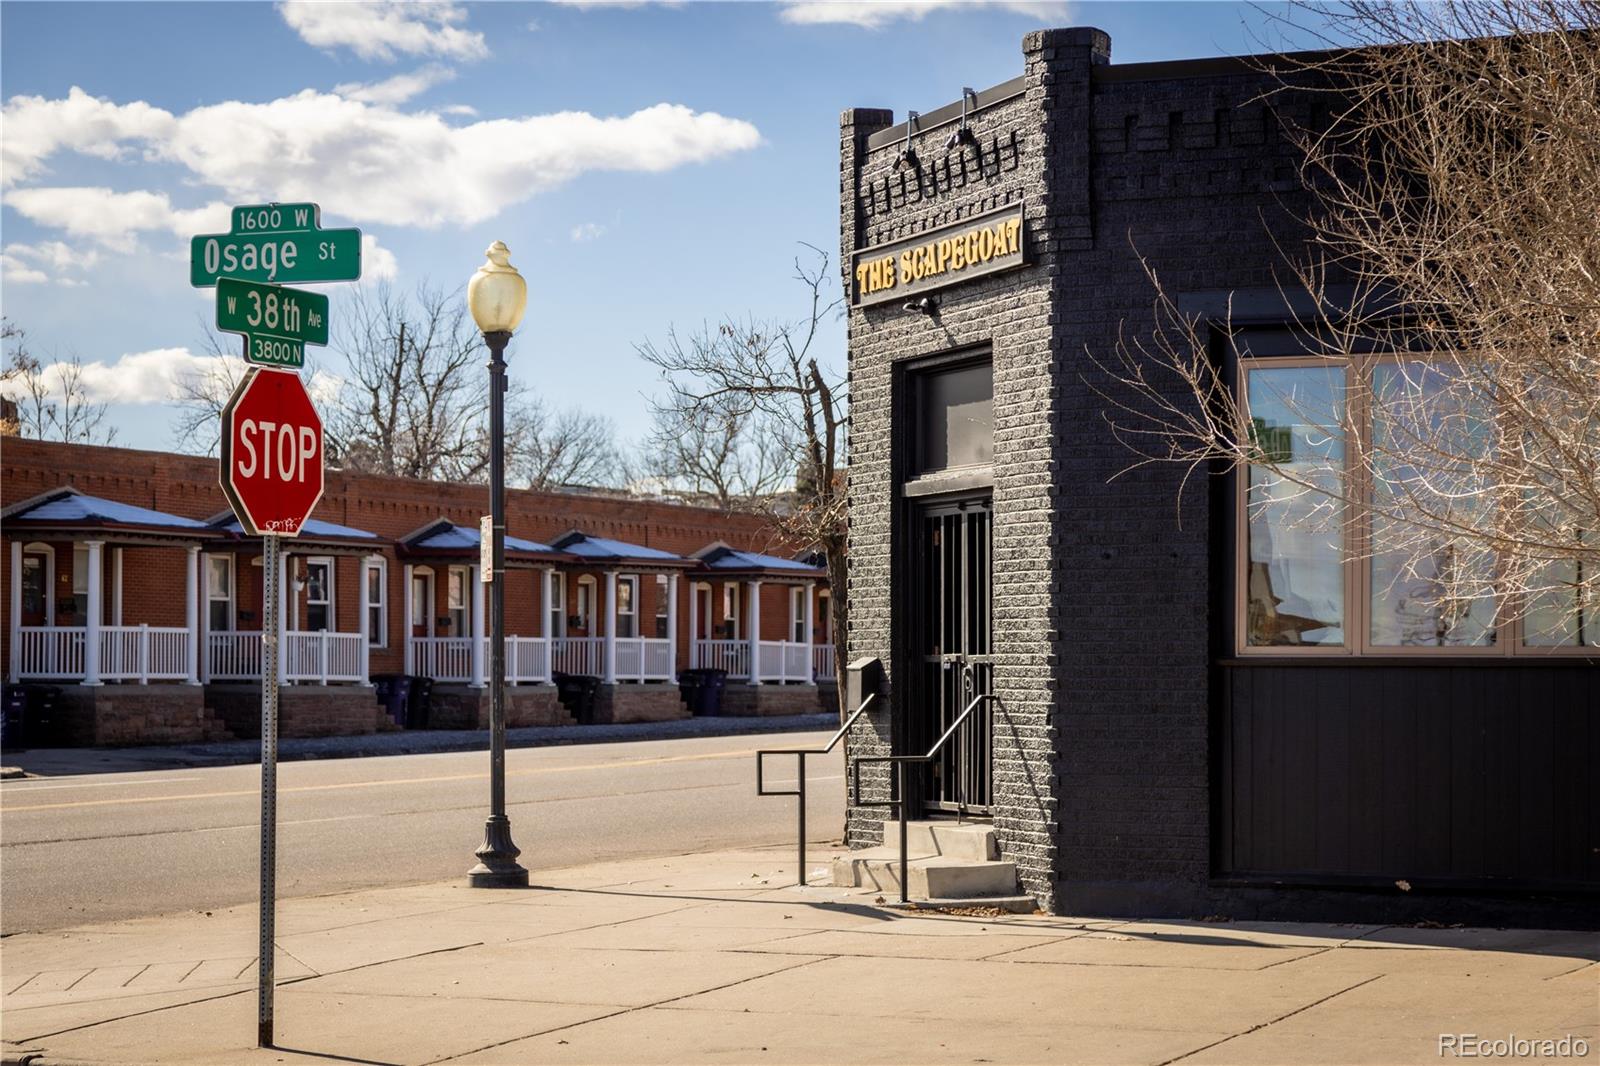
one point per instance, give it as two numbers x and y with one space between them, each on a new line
1454 223
201 395
52 399
770 373
551 447
724 451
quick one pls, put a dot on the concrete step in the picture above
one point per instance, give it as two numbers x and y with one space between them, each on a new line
966 840
930 876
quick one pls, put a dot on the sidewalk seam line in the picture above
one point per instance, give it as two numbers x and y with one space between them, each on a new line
1271 1021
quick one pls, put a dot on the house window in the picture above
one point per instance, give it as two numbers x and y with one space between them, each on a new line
219 593
455 601
825 618
797 615
627 606
955 418
1407 589
377 573
557 607
730 610
662 592
319 595
78 603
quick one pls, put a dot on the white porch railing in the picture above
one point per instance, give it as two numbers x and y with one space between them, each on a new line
233 655
127 653
730 655
642 658
783 660
449 659
580 655
780 660
822 661
49 651
144 653
323 656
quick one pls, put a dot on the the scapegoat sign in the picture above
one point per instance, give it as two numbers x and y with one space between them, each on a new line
271 453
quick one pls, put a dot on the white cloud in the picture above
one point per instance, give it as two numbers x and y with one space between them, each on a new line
875 14
149 377
377 263
381 31
370 162
114 219
37 128
587 231
27 263
17 272
398 89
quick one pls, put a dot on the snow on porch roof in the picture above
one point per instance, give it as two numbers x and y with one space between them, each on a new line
447 536
732 559
585 546
312 528
68 507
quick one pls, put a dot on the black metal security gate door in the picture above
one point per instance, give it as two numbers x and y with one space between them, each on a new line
952 594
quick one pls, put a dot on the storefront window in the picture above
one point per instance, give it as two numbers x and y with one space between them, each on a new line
955 418
1295 580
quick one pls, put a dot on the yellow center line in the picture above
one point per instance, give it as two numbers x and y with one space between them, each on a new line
8 808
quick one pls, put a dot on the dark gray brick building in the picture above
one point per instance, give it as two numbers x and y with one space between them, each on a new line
1160 741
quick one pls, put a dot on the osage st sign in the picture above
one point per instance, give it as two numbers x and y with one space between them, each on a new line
277 244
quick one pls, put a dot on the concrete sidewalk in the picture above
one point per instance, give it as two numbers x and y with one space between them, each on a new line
55 762
712 959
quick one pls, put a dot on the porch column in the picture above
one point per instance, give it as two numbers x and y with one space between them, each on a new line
672 624
406 620
609 669
16 609
547 581
811 666
694 627
753 613
191 612
91 629
476 643
365 626
286 603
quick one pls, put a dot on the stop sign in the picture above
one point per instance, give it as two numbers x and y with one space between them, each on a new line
271 453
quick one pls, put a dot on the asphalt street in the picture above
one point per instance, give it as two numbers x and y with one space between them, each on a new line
113 846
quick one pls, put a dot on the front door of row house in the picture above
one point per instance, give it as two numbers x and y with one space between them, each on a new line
949 570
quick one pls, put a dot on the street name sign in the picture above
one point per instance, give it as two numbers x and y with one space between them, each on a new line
272 453
276 244
277 322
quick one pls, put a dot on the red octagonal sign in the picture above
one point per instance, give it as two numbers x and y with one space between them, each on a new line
271 453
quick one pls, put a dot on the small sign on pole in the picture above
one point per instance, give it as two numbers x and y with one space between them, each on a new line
277 322
486 549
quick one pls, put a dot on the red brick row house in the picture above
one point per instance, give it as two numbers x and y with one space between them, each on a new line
128 585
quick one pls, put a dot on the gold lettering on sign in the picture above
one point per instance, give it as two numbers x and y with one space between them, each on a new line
970 249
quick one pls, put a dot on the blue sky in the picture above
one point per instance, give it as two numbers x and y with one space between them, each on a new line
650 165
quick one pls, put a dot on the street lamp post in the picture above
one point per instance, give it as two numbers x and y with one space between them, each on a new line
497 296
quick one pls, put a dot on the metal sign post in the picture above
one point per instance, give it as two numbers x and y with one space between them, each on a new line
271 607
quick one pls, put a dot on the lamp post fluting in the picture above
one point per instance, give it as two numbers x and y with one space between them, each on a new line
497 296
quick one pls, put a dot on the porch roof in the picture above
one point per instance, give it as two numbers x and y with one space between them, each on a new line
588 548
445 539
726 561
313 531
68 510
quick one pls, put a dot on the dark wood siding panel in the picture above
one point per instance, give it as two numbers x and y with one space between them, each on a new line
1460 773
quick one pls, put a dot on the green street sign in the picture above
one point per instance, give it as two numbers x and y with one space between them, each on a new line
276 244
277 322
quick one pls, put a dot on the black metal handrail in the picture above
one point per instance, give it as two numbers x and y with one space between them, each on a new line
800 771
898 800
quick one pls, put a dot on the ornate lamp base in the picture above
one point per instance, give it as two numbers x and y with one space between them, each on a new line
497 858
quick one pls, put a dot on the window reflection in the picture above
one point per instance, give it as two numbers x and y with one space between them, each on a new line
1294 593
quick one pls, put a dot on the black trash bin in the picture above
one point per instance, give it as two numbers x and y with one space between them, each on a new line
43 723
419 701
394 692
710 694
14 719
577 693
689 685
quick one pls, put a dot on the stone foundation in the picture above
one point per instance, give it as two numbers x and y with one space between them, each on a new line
464 707
741 700
106 715
648 702
303 710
